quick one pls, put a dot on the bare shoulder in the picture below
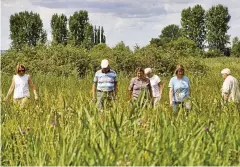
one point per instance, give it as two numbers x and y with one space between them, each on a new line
29 77
13 78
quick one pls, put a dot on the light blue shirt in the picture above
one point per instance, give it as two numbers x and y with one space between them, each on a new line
180 88
105 81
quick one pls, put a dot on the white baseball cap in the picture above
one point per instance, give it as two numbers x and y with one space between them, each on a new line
226 71
104 63
147 70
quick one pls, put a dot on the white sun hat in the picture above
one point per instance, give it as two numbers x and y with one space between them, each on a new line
226 71
148 70
104 63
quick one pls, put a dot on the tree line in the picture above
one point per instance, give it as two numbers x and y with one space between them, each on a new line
26 28
199 29
207 29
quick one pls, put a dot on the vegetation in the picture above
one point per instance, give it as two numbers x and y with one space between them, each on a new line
63 60
64 127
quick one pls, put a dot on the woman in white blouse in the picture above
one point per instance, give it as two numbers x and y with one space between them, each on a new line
20 85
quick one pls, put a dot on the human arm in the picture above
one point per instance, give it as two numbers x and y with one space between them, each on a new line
150 89
161 86
171 96
171 92
10 90
225 96
94 88
30 82
130 89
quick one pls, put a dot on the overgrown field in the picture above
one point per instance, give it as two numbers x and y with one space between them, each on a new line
64 128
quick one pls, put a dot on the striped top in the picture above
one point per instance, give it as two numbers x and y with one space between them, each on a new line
105 81
140 87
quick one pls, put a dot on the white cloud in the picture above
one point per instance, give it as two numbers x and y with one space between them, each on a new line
10 7
135 21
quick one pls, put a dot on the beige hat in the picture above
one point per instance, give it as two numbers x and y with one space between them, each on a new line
104 63
148 70
226 71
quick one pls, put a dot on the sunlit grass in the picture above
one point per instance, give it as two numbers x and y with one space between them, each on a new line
64 128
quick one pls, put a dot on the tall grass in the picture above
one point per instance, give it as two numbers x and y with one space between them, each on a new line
64 128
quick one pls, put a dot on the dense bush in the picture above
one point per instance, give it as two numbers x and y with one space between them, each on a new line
213 53
67 60
56 60
97 53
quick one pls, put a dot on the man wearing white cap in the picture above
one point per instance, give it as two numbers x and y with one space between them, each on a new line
156 85
105 84
230 87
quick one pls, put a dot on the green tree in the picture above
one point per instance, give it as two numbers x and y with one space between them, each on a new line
26 28
170 33
95 35
183 44
77 24
98 35
217 19
156 42
235 47
123 58
193 24
59 28
103 37
88 37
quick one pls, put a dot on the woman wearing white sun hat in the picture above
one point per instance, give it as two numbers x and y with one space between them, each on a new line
156 84
230 87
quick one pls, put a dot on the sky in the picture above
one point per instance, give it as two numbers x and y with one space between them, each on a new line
134 22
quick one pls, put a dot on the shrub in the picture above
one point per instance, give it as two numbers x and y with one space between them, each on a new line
62 60
213 53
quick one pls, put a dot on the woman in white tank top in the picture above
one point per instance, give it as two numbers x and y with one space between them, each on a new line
20 85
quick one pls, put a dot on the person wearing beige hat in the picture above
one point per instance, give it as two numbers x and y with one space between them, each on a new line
156 84
230 87
105 85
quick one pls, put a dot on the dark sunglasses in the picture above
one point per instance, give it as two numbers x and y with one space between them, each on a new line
21 70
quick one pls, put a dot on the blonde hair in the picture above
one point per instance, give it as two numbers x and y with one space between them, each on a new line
179 67
19 66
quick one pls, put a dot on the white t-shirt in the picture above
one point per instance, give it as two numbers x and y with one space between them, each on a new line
21 86
154 81
231 87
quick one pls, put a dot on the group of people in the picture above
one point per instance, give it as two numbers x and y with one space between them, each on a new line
145 87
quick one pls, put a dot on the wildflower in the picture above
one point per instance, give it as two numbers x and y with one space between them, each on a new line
23 132
207 128
119 162
53 123
128 163
139 122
